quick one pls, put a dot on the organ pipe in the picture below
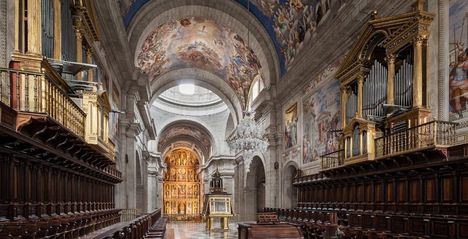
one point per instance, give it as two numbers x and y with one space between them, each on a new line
47 21
68 32
375 90
403 92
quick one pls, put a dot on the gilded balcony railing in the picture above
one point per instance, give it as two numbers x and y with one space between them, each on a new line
33 92
431 134
332 159
428 135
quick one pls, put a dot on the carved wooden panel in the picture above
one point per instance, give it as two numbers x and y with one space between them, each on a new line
430 190
447 189
415 190
464 188
401 191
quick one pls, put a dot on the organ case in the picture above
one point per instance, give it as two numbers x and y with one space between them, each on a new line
383 81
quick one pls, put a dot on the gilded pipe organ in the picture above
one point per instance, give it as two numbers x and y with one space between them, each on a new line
383 92
182 185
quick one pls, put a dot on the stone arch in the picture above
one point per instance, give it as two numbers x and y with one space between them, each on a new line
290 193
203 79
183 122
231 13
229 127
254 193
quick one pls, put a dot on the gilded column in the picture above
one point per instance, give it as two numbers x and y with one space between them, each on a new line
79 51
4 31
443 55
359 96
417 73
34 27
17 26
390 78
58 29
89 59
344 98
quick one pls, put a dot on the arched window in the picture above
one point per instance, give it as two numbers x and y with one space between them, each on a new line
255 89
356 143
364 142
348 147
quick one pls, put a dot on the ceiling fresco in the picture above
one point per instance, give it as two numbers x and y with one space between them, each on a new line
290 23
201 43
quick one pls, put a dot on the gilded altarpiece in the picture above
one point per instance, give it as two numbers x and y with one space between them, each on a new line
182 185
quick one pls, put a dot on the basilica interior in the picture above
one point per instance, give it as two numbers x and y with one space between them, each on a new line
233 119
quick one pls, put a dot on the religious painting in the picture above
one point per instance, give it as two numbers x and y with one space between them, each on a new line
321 115
294 22
458 77
290 126
201 43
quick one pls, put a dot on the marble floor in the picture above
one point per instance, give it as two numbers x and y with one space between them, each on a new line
196 230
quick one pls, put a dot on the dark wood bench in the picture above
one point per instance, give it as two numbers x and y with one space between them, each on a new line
272 231
158 230
150 225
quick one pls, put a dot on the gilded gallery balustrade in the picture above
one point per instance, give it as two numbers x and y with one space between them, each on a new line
47 94
434 134
32 92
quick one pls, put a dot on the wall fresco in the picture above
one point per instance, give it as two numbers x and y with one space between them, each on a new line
458 59
321 114
290 126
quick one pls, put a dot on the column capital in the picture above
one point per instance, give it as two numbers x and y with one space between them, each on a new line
419 39
390 58
133 129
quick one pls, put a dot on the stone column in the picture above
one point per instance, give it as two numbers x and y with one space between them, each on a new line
152 189
119 192
443 55
159 190
126 191
130 167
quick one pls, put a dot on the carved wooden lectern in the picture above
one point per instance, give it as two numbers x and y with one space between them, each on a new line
217 204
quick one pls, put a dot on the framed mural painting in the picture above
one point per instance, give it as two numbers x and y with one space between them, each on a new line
458 78
321 115
290 126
